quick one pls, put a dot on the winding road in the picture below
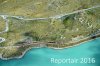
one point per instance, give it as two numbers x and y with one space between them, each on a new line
52 17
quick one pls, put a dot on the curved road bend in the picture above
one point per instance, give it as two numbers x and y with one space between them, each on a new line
54 17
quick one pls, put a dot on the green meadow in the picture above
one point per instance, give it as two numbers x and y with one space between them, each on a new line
24 34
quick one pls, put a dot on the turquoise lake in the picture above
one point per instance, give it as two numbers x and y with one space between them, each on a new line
42 56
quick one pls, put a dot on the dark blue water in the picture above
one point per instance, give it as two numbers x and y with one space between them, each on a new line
88 51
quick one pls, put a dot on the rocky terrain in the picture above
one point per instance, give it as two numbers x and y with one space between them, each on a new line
25 24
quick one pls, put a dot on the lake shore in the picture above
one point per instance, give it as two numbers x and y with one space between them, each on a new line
56 48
